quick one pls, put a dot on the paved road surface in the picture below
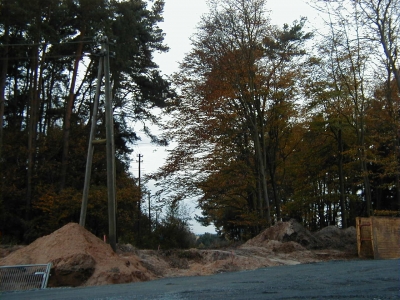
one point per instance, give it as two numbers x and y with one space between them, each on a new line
359 279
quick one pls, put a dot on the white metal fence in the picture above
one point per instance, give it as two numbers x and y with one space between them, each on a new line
24 277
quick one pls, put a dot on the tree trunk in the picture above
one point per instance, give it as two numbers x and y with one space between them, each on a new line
3 76
367 188
389 56
32 130
263 179
68 114
341 179
276 196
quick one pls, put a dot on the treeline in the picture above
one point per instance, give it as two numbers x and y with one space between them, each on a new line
270 122
48 71
287 122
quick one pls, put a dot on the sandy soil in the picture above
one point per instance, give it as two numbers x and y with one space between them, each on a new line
81 259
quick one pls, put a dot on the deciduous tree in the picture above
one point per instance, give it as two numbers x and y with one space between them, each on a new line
238 95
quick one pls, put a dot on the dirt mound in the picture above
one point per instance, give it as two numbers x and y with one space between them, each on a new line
289 247
332 237
8 249
79 258
283 232
287 237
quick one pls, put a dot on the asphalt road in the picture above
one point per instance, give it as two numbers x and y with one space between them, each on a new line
359 279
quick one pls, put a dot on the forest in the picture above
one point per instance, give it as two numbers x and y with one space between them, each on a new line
269 122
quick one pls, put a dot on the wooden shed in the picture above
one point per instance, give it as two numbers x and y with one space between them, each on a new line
378 237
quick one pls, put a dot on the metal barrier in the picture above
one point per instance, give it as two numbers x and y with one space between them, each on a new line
24 277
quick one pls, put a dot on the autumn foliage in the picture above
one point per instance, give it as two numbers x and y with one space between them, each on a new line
276 123
268 122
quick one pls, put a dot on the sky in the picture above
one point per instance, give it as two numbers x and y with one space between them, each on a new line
182 16
180 20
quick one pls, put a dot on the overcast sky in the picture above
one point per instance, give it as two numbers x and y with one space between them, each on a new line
182 16
180 20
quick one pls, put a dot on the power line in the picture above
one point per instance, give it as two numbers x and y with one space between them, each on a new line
46 57
48 44
87 41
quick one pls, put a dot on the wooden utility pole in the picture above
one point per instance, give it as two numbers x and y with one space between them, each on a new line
140 200
112 226
89 159
149 213
140 185
110 147
139 161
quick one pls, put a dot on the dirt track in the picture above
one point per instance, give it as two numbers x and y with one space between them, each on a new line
358 279
81 259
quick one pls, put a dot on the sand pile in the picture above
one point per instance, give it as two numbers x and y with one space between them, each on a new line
284 232
79 258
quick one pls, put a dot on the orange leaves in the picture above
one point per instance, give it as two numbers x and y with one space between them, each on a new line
56 209
233 123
